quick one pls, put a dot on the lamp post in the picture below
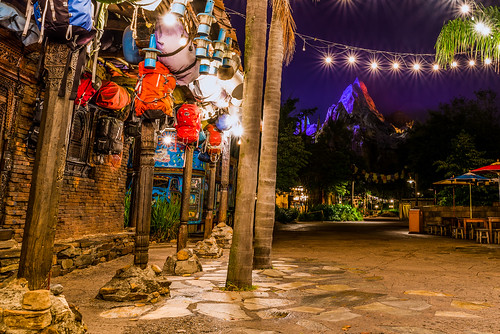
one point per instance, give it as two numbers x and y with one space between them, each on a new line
414 181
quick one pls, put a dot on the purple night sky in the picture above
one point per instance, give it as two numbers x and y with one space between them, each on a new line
391 25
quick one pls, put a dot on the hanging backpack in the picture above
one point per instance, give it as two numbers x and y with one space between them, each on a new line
188 123
86 89
67 21
112 96
154 89
214 140
109 136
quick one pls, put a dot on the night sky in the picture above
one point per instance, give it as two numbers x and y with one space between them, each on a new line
391 25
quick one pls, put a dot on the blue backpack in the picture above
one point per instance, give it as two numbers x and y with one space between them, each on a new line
68 21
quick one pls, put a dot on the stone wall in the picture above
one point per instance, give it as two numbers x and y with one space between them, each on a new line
71 254
433 214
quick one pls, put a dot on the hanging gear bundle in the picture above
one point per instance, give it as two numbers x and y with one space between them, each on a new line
86 89
112 96
154 89
223 122
214 140
188 123
109 136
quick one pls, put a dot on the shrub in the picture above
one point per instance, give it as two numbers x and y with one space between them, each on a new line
338 212
165 218
126 203
285 215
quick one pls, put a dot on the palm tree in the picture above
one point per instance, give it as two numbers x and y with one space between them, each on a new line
239 273
280 49
477 35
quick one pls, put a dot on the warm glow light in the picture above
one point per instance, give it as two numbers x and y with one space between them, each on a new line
169 19
465 9
328 60
435 67
167 140
183 41
374 65
454 64
472 63
352 59
482 28
237 130
395 66
487 61
416 67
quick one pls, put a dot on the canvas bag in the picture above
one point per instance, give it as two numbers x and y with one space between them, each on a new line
153 91
188 123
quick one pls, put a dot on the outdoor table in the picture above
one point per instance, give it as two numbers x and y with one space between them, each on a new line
470 221
490 222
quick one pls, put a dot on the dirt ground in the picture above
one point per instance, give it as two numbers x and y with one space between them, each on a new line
364 277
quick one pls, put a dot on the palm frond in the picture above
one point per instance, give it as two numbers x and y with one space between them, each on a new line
282 9
460 36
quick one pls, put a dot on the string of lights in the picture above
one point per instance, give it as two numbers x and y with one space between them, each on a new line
338 54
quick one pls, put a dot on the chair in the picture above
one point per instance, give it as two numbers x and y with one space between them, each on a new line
457 232
496 236
482 234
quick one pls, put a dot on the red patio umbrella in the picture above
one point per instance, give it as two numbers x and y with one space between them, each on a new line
493 168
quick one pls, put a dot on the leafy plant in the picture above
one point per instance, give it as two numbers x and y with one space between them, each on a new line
126 204
337 212
286 215
165 218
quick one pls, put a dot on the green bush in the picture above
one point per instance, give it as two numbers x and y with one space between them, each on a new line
285 215
338 212
165 218
126 203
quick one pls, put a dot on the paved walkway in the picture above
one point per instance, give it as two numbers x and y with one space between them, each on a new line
326 278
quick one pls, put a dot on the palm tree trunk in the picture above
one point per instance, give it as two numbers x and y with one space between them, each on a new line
239 273
266 198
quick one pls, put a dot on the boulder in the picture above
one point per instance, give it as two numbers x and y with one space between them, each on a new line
36 300
174 266
132 283
208 249
223 234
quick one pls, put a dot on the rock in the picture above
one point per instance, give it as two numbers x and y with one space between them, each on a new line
20 319
8 244
223 234
208 249
68 252
66 263
36 300
272 273
134 284
156 269
84 261
183 255
174 266
190 266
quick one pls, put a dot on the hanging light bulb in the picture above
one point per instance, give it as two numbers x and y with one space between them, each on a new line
482 28
328 60
454 64
487 61
304 46
435 67
374 65
472 63
395 66
352 59
416 67
465 9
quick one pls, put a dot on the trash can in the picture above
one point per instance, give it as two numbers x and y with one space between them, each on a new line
416 221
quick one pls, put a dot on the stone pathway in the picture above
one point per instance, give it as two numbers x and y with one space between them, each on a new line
313 297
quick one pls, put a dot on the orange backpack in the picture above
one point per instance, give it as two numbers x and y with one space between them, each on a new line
214 140
111 96
154 91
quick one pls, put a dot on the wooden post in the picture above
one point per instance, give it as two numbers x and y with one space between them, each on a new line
224 183
209 215
136 164
145 193
186 194
48 172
